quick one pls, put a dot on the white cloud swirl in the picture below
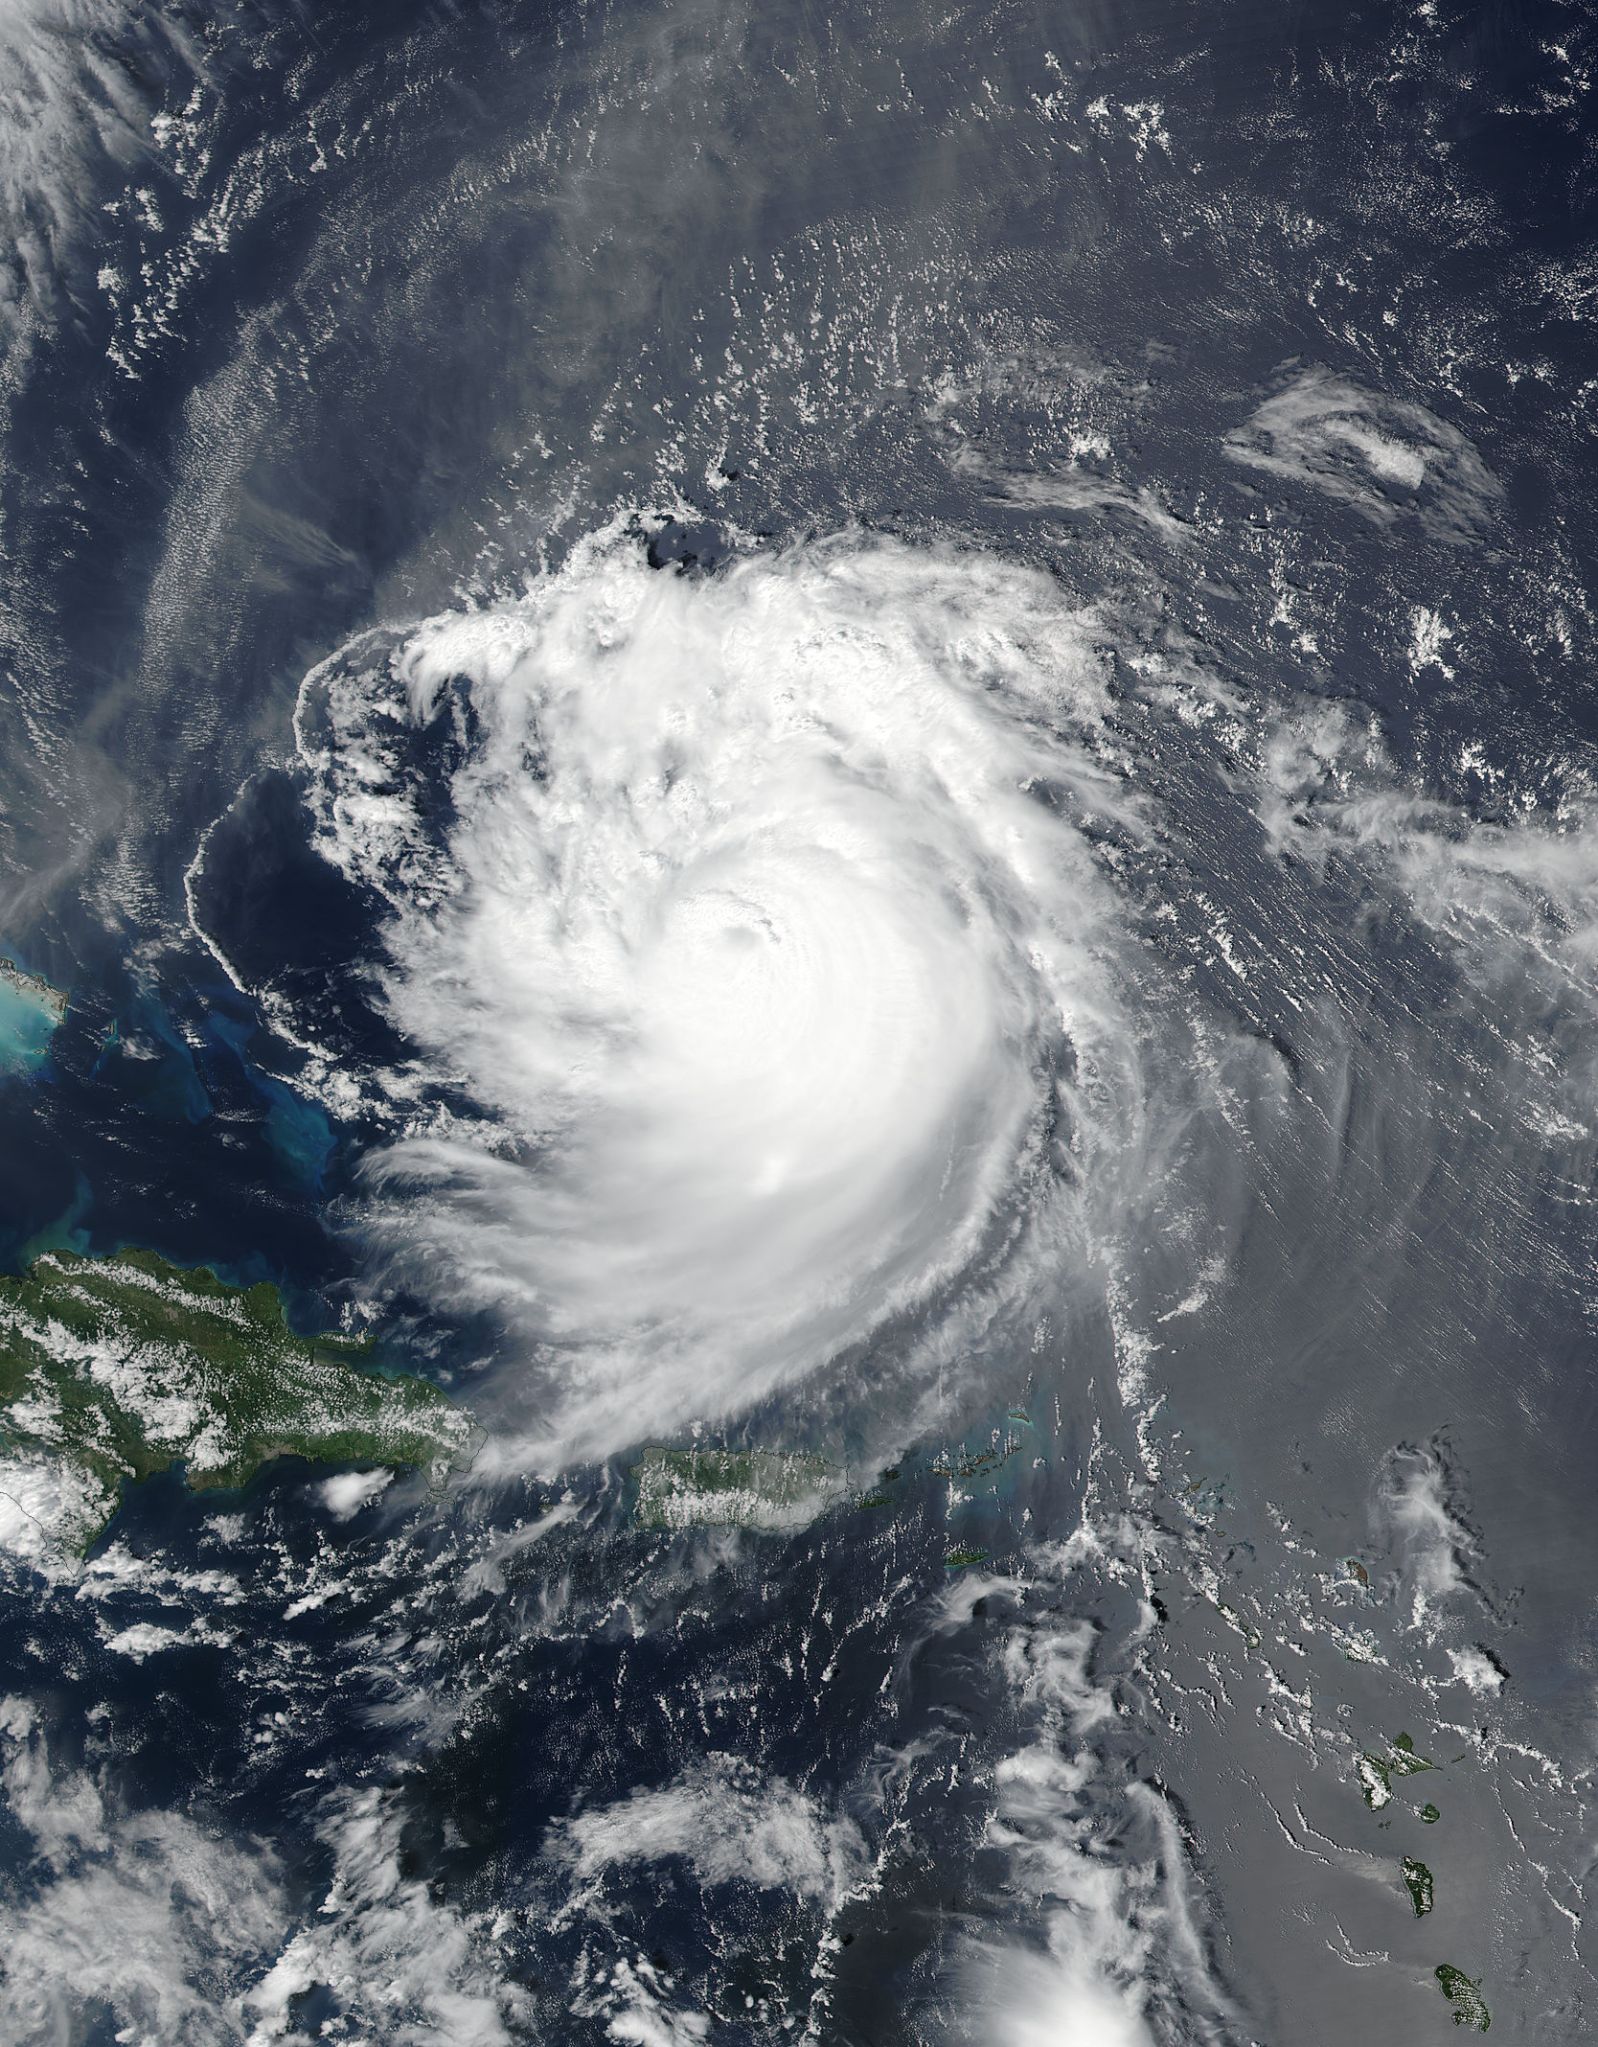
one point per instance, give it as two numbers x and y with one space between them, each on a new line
749 913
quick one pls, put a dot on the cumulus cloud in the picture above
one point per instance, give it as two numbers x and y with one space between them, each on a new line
729 1824
1422 1521
147 1638
347 1492
1108 1951
184 1937
747 917
147 1917
1478 1669
398 1965
640 2004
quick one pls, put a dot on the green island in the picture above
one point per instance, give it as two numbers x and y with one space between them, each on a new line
881 1494
113 1369
1376 1772
964 1555
30 1014
1418 1883
1464 1994
713 1488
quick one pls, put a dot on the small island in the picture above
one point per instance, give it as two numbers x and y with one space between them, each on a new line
30 1014
1419 1883
1376 1772
113 1369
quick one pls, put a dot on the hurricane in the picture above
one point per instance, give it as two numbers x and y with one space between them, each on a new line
753 924
798 1024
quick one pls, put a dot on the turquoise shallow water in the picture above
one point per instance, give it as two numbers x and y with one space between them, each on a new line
27 1024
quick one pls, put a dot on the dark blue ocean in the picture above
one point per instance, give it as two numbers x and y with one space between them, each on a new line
320 322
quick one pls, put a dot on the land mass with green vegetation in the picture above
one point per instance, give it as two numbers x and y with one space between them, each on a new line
113 1369
1377 1771
1464 1994
732 1488
1419 1883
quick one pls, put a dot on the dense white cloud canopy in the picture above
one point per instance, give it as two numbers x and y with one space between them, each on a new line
753 919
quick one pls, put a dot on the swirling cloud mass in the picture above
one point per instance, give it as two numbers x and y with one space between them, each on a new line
748 917
923 962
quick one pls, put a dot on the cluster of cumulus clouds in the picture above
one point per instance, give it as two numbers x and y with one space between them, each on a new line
184 1935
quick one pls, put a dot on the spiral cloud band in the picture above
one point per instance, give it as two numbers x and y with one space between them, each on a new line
744 913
